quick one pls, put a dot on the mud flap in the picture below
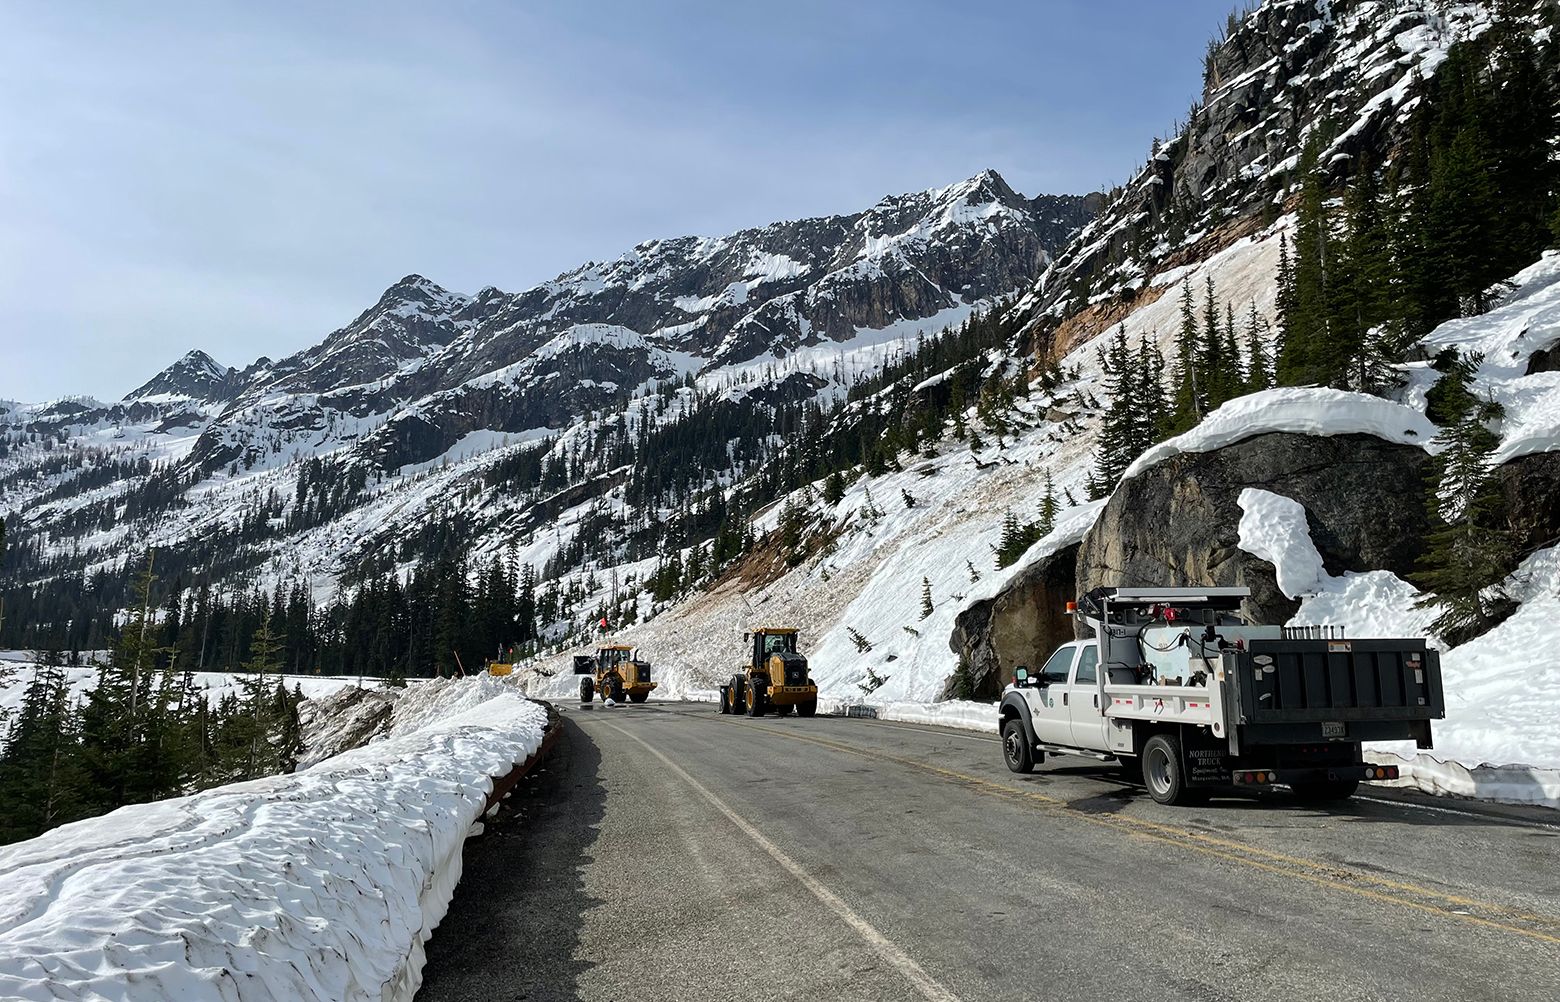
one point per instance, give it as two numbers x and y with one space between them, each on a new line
1207 758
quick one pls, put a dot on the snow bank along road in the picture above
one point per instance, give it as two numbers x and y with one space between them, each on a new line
668 852
322 884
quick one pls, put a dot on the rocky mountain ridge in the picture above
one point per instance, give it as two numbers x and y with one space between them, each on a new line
1341 72
427 377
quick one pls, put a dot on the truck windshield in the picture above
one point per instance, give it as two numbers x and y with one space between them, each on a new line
1056 669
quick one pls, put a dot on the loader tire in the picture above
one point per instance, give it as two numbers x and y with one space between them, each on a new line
617 690
807 709
755 701
725 694
586 690
638 697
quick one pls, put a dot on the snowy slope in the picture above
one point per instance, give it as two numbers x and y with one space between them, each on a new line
323 884
16 674
870 580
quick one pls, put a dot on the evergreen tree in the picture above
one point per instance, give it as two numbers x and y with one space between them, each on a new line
926 597
1048 509
1469 549
1303 355
1118 426
1285 299
1259 373
1187 403
834 489
41 779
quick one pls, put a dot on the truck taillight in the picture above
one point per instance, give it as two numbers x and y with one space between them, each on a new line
1381 772
1253 777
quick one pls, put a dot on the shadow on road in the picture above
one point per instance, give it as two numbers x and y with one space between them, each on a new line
1405 809
517 913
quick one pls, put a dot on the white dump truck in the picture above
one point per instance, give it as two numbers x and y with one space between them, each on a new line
1175 683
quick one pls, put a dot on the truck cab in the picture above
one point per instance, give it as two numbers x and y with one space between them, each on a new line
1063 697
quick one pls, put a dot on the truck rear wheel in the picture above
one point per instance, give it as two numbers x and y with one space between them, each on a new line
1016 751
1163 772
586 690
1323 790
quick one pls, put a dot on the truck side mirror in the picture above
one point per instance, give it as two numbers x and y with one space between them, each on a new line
1020 676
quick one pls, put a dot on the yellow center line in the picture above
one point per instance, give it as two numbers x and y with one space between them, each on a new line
1340 878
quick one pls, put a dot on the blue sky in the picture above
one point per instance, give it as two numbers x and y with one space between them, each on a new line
246 177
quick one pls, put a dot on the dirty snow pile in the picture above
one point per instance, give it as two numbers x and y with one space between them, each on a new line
323 884
1501 688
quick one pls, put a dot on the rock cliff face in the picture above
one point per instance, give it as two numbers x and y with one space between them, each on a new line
1345 69
1530 486
1176 523
1022 625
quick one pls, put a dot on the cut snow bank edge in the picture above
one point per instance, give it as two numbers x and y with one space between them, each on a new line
1506 784
320 884
1300 410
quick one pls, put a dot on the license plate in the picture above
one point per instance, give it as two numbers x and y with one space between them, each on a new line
1334 729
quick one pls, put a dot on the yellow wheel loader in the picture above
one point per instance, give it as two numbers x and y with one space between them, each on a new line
616 672
775 677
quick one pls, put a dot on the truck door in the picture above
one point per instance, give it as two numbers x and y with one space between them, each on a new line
1087 723
1048 702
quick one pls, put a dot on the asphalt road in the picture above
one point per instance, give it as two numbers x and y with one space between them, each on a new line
669 852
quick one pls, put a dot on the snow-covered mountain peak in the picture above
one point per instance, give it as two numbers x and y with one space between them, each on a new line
195 376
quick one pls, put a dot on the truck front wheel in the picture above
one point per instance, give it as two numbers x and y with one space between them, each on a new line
1016 751
1163 772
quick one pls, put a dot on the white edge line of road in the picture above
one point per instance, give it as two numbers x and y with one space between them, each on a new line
901 961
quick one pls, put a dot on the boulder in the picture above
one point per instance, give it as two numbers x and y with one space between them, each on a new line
1176 523
1530 486
1022 625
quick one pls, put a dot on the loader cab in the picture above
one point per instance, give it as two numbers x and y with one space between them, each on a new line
772 640
611 657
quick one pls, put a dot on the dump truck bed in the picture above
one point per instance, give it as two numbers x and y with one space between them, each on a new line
1293 691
